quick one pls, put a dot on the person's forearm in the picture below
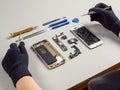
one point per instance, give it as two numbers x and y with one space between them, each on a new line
119 34
27 83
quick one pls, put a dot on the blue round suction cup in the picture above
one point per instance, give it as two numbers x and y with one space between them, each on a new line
75 20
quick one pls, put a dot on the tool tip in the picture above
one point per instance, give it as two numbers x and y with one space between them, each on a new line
36 27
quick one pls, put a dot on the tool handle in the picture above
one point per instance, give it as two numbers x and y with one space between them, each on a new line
22 31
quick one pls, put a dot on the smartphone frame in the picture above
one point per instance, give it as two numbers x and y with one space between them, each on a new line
59 57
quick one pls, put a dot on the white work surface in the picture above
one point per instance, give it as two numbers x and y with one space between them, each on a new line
19 14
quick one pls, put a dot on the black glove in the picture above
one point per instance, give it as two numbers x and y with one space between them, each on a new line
15 62
106 17
109 81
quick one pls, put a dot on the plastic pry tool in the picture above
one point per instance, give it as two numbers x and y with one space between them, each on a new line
60 25
57 23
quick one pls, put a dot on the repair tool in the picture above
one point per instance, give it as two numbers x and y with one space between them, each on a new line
31 35
75 20
53 21
23 31
93 12
60 25
57 23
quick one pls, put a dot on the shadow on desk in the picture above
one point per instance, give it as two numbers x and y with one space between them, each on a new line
83 85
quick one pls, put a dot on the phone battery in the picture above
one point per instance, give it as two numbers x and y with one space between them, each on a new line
46 55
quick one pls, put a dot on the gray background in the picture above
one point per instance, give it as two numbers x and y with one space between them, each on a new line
19 14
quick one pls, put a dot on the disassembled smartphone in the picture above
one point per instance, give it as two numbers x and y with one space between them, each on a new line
59 42
48 54
86 36
76 52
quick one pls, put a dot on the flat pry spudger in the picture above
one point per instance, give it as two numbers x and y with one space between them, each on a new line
53 21
93 12
60 25
31 35
50 22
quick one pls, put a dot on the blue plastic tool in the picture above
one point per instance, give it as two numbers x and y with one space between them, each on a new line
54 24
75 20
60 25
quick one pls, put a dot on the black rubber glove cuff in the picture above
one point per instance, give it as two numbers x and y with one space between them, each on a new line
116 28
18 73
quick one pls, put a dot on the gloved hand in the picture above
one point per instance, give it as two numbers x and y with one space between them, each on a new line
15 62
108 81
106 17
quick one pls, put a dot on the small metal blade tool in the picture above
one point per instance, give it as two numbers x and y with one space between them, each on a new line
29 36
93 12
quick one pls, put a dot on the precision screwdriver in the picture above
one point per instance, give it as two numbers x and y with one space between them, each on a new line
23 31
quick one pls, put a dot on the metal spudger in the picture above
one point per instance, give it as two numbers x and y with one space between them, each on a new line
31 35
34 34
53 21
93 12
